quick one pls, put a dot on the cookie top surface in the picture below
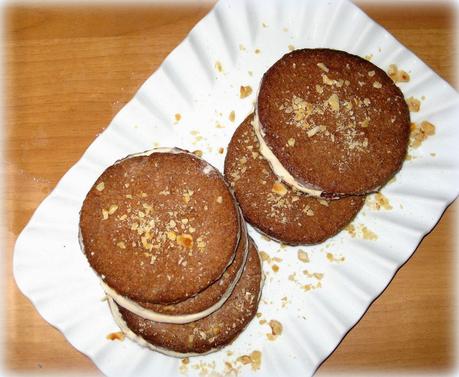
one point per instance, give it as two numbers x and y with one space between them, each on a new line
161 227
214 331
274 208
215 292
336 122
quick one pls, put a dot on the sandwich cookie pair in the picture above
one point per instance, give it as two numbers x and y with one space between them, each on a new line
329 127
165 235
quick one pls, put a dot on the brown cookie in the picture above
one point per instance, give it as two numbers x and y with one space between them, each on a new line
205 335
160 227
274 208
336 122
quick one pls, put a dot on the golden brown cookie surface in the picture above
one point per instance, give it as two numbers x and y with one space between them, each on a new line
152 226
336 122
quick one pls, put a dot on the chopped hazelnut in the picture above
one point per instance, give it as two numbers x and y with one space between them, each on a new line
303 256
245 91
100 186
414 105
185 240
279 188
112 209
323 67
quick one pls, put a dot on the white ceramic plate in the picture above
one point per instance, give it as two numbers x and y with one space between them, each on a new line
53 273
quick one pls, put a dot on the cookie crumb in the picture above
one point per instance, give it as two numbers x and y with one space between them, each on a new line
116 336
177 117
414 105
276 330
303 256
245 91
397 75
279 188
420 133
333 258
218 66
368 234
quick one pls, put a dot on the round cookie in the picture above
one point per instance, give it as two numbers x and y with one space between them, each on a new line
198 306
159 227
336 123
205 335
277 210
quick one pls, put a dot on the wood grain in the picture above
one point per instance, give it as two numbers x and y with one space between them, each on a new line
68 71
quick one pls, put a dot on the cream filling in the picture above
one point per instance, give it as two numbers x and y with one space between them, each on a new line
142 342
151 315
276 166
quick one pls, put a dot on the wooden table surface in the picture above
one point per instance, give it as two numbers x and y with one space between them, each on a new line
70 69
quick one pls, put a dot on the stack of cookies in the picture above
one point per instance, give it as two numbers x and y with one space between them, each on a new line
329 128
164 232
165 235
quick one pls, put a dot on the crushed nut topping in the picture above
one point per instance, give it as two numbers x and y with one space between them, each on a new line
185 240
323 67
333 101
279 188
100 186
113 208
